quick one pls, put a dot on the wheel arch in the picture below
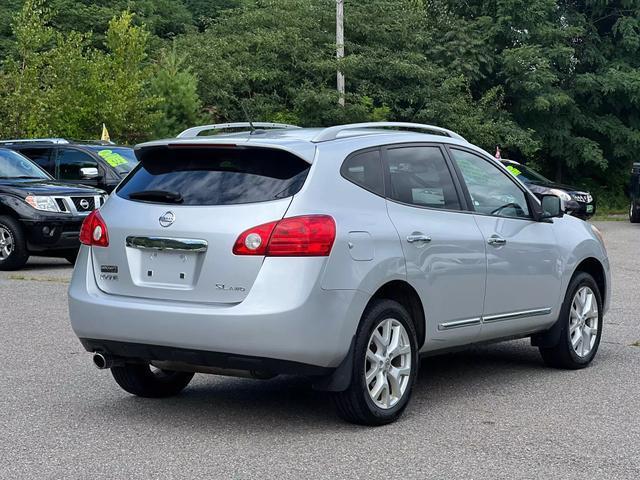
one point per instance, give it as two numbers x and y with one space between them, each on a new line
6 210
403 293
594 267
399 291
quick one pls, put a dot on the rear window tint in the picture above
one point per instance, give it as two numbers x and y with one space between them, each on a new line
216 176
365 169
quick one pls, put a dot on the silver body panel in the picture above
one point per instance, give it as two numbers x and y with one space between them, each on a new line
307 309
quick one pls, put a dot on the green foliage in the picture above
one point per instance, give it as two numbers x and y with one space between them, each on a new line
176 87
57 85
569 72
553 82
278 59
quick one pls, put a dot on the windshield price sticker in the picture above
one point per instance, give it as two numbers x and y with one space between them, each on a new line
514 171
112 158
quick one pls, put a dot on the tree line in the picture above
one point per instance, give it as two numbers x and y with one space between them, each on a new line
553 83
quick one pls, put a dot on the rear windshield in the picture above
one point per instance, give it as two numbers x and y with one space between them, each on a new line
214 176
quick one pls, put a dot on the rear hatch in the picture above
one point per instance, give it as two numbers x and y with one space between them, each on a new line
173 222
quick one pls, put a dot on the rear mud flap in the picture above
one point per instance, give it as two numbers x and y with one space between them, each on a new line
340 379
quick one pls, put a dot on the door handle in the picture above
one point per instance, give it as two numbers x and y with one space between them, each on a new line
418 237
496 241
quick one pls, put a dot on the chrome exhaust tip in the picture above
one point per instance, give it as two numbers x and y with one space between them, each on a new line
102 361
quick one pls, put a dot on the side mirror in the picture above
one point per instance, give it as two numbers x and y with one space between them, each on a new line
552 207
89 173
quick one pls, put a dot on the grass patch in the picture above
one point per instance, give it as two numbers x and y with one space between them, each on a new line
26 278
610 217
636 343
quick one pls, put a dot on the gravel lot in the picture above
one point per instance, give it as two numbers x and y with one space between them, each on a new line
491 412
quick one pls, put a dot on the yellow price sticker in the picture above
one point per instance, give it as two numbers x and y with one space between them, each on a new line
112 158
513 170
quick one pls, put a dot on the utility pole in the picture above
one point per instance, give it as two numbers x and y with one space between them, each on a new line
340 48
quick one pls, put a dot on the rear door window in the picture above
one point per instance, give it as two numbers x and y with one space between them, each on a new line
419 175
214 176
42 156
365 169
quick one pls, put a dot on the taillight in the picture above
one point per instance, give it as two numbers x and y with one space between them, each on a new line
94 231
304 236
255 240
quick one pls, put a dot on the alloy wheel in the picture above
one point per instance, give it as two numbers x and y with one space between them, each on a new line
583 321
6 243
388 363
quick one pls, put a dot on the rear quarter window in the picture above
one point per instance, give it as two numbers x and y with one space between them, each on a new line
365 170
216 176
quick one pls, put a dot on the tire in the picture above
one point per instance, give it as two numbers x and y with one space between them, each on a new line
71 257
356 404
564 354
634 214
13 246
140 380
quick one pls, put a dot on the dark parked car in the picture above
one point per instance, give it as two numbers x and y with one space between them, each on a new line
577 202
97 164
38 215
634 193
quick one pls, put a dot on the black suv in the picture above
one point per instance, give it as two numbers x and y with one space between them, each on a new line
39 216
577 202
634 193
98 164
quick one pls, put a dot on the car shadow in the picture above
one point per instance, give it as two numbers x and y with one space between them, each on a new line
46 263
222 402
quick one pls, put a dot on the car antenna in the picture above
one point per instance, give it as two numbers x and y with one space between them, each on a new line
246 114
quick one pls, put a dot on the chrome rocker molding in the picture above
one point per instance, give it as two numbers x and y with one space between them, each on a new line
459 323
494 318
515 315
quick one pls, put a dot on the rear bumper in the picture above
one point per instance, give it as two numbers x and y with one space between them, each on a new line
229 361
300 323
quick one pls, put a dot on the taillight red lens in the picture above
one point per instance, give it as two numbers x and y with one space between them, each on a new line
255 240
94 231
304 236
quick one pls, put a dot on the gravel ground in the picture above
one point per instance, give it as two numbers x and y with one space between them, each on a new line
490 412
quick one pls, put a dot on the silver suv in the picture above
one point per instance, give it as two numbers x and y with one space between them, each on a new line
342 253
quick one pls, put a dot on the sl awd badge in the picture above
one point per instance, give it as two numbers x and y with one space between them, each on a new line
167 219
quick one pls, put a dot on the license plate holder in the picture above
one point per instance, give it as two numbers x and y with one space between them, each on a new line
168 268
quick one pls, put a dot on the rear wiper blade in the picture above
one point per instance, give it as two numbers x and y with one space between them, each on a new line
162 195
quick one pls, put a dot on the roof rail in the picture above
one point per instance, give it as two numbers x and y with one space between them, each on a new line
195 131
91 142
34 140
332 133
